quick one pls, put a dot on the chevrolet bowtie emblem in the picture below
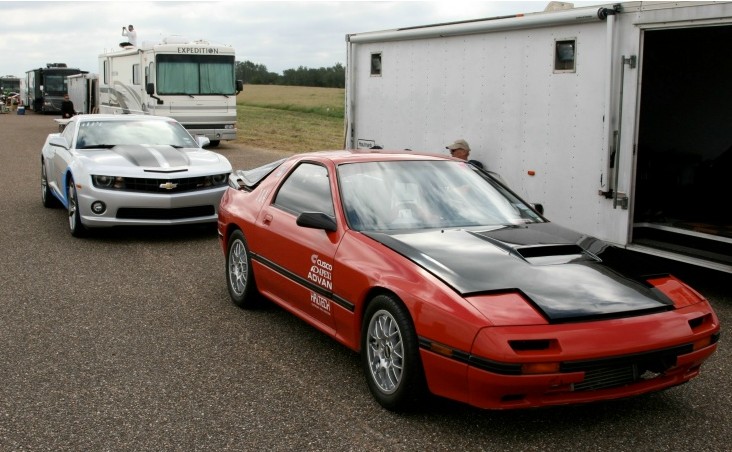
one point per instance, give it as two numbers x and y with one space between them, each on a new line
168 185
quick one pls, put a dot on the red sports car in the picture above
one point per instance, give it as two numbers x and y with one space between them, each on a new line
447 282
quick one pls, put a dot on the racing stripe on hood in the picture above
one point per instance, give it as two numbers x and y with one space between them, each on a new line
152 156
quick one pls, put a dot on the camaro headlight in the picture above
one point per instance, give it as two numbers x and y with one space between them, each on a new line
108 182
216 180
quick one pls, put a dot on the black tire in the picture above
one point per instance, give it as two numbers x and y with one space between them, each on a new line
239 274
76 227
391 361
213 143
47 197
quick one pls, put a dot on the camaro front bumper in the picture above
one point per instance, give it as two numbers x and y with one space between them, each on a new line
140 208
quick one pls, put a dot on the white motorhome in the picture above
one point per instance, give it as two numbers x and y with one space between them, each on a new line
191 81
615 118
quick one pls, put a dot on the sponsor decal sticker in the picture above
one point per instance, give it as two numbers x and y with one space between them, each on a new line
321 272
320 302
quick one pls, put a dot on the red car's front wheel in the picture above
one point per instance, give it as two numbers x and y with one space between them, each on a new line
239 276
390 354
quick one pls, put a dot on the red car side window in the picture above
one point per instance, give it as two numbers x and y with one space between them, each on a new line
307 189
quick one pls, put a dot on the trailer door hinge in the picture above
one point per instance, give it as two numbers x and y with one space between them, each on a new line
631 61
621 200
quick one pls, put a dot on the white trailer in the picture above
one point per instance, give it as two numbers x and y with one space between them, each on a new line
615 118
84 92
191 81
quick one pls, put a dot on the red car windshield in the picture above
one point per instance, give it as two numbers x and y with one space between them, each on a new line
398 195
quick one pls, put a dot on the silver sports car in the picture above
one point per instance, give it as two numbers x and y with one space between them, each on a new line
111 170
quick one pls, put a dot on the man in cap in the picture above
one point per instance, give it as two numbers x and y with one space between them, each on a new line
461 149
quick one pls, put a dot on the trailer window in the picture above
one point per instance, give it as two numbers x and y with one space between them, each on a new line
564 55
376 64
135 74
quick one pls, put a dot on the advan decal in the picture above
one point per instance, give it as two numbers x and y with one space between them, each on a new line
321 272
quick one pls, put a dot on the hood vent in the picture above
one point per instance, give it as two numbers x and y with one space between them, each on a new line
553 254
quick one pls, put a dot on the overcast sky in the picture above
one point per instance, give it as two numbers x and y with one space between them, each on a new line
279 34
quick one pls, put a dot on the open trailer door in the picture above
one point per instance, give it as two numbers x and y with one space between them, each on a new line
684 146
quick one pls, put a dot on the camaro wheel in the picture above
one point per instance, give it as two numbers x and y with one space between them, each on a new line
75 225
390 354
239 276
46 196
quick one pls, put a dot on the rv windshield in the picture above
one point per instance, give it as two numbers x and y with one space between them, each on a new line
195 74
55 84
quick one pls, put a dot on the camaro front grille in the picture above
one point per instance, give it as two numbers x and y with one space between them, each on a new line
166 185
165 214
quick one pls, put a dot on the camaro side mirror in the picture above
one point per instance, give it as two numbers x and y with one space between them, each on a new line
59 141
203 141
317 220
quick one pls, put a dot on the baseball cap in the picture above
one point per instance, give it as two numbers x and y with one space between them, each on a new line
459 144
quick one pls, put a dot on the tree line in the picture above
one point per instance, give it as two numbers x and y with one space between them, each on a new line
325 77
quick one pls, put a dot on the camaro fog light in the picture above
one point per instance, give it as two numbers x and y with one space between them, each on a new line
98 207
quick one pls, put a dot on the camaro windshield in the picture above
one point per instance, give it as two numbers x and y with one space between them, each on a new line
399 195
106 134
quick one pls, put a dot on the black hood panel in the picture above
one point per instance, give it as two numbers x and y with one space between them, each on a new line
565 274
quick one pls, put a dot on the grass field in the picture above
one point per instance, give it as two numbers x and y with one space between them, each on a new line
290 118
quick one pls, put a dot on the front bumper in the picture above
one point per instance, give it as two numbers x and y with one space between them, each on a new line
141 209
595 361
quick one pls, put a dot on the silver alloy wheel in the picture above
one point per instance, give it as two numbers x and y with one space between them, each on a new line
44 184
73 206
385 351
238 268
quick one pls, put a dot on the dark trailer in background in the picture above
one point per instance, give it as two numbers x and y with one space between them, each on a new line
45 87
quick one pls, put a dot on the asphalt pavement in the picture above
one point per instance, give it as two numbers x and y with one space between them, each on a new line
127 341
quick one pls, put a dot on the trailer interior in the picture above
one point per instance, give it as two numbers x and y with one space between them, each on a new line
684 153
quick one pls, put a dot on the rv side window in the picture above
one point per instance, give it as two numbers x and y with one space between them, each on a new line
565 52
376 64
105 72
135 74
